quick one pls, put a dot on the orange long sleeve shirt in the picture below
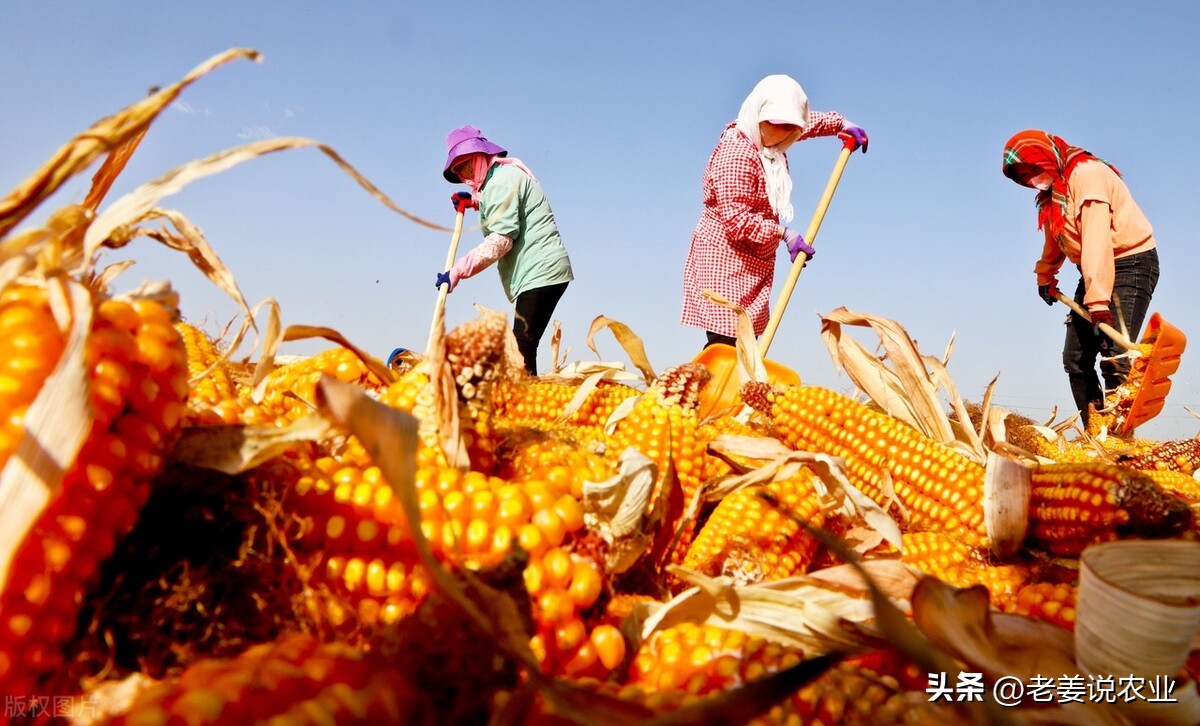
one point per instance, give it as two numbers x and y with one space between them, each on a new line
1103 223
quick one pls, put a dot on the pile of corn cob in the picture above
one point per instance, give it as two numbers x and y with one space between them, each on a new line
549 528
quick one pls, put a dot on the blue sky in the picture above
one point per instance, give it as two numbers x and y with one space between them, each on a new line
616 107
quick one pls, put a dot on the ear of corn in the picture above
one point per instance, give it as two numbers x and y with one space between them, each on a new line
293 680
945 556
1048 601
750 540
138 379
1075 505
1182 456
936 487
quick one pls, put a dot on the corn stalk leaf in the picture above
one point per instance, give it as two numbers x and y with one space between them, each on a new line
907 391
190 241
630 342
750 360
838 495
749 700
236 449
797 611
101 138
615 509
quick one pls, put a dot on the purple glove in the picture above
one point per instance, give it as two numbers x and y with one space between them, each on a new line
854 137
462 201
796 244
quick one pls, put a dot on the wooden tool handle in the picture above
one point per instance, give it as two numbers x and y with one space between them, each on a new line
1107 329
439 310
809 236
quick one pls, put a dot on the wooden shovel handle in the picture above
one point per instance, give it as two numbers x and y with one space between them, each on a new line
439 310
809 236
1108 330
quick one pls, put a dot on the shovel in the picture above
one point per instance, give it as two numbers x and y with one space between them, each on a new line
1166 348
444 289
721 360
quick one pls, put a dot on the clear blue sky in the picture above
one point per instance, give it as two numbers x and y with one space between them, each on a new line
616 106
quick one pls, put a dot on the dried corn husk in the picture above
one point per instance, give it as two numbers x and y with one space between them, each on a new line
1007 487
1137 614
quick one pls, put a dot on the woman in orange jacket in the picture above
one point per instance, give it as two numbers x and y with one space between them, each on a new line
1088 217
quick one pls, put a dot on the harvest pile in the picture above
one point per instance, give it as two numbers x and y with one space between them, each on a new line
192 539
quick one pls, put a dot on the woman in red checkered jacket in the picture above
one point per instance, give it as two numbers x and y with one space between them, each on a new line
747 203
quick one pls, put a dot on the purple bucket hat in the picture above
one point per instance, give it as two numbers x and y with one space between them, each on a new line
463 141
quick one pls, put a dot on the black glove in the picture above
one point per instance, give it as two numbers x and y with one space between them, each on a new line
1049 293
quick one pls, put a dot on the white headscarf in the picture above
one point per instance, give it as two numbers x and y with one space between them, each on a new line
776 98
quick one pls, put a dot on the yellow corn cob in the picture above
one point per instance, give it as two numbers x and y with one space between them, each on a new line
138 378
1184 486
751 540
945 556
294 680
555 457
702 659
662 426
939 488
1051 602
562 587
714 466
290 390
1075 505
1182 456
213 397
538 404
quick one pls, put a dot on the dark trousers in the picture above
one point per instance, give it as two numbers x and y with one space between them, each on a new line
1136 278
534 308
717 338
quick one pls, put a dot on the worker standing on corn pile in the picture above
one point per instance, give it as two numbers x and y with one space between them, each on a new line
747 200
1088 217
519 234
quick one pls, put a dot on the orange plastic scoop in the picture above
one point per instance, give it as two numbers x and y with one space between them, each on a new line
1151 373
721 392
1167 343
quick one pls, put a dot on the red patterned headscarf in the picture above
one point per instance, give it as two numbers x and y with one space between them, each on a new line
1053 156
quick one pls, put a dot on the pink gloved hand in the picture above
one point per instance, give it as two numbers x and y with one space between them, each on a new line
796 244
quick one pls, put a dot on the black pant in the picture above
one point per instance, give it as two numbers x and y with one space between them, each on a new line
534 308
1136 278
715 338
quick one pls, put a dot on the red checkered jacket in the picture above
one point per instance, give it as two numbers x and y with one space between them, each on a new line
733 245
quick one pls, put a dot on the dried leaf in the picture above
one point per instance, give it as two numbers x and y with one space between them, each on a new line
797 611
631 343
235 449
615 509
102 137
907 391
750 359
838 495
